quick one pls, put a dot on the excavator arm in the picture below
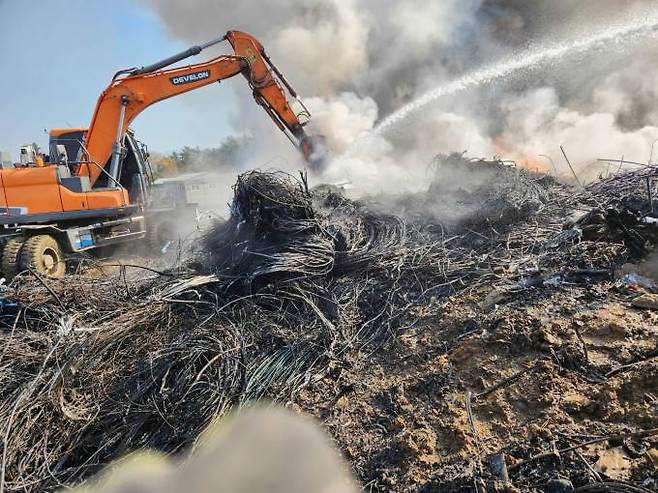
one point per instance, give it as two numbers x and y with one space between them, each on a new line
134 90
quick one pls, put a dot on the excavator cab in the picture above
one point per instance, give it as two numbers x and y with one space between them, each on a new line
70 139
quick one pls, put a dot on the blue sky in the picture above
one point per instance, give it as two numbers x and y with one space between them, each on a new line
57 56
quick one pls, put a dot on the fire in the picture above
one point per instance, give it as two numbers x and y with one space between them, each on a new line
537 164
533 164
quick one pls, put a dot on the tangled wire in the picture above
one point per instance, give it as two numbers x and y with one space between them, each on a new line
294 287
474 194
279 230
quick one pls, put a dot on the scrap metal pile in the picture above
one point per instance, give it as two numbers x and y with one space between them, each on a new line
297 298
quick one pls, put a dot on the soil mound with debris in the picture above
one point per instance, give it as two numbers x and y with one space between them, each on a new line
514 349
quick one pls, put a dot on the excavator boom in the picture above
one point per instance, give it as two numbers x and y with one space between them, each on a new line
132 91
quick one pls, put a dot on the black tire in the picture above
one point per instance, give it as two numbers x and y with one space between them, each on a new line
43 255
11 253
159 236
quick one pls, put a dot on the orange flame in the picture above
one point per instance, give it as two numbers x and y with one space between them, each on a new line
531 163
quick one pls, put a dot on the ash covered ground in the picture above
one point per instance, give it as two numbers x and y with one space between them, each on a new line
499 336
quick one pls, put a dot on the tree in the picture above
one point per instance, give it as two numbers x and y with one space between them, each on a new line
190 159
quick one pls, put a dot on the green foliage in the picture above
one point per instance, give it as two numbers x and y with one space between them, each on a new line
227 155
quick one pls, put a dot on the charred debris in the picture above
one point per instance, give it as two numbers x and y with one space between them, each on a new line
310 299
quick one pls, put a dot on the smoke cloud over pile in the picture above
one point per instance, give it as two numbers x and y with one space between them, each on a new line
358 60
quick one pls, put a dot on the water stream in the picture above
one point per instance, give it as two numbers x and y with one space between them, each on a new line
614 37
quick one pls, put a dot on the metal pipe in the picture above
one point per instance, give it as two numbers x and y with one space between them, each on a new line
213 42
287 84
281 77
653 146
192 51
117 148
305 111
564 153
623 161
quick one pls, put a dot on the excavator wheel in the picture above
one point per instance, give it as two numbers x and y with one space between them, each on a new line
160 237
11 253
42 254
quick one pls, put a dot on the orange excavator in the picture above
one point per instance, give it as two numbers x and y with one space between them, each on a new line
94 188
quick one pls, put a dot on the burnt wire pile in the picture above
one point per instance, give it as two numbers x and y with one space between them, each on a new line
279 230
297 285
475 194
294 283
624 210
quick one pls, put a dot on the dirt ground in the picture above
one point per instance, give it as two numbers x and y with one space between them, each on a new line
547 369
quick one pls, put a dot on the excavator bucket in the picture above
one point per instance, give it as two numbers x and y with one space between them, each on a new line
315 152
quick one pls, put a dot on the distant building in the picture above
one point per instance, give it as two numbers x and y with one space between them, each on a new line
210 191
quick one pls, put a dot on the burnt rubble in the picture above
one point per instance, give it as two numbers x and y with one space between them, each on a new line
431 345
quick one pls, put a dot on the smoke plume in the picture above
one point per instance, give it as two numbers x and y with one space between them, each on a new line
358 60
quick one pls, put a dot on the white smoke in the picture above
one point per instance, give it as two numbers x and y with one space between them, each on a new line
342 117
585 136
308 42
357 60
